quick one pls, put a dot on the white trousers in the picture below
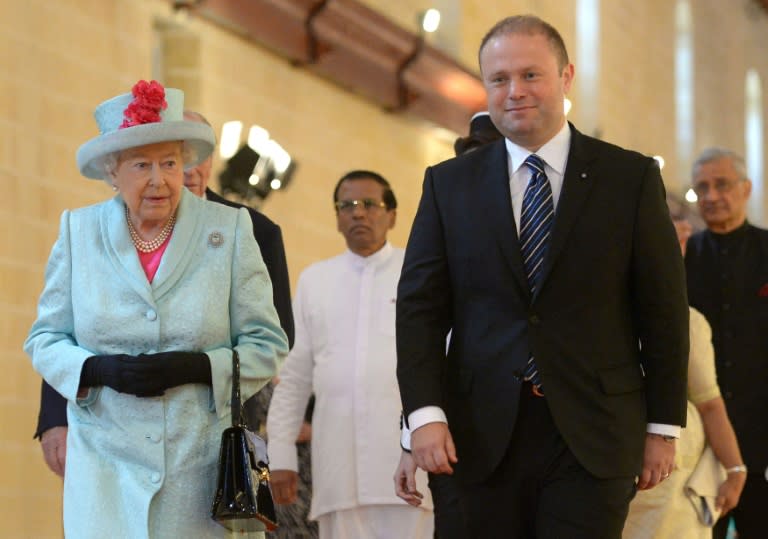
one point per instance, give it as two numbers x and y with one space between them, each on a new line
377 522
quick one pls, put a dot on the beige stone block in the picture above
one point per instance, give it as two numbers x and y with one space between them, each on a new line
181 49
59 163
24 284
28 484
10 183
14 327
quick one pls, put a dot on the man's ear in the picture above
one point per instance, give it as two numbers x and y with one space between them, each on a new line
392 219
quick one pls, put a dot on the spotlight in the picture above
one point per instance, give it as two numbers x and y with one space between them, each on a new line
430 20
253 174
230 138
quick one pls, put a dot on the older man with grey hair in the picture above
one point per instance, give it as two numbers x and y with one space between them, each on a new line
727 269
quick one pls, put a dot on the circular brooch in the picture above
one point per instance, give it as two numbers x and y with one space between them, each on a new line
216 239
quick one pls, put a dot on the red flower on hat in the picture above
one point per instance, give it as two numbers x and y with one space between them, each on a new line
148 101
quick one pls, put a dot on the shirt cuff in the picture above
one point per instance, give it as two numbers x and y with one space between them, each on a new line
664 430
427 414
282 456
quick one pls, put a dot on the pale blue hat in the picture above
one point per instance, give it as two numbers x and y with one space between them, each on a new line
111 115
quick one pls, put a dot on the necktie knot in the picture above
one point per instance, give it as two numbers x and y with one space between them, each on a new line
535 164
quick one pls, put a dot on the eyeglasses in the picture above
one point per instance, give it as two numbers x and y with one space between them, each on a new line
720 186
348 206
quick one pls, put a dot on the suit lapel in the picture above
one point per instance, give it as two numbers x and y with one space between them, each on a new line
120 249
179 252
577 184
498 204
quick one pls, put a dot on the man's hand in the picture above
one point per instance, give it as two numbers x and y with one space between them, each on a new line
432 448
54 445
729 492
405 480
658 461
284 485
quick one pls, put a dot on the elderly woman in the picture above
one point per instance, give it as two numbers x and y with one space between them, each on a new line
146 296
665 512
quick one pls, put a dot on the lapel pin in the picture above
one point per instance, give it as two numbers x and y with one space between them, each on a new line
583 175
216 239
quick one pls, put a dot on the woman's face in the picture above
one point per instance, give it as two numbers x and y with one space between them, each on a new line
150 179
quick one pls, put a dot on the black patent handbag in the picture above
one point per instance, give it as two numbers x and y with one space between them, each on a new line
243 500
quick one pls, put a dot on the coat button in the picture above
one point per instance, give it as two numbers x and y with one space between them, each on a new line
151 315
155 477
534 319
154 438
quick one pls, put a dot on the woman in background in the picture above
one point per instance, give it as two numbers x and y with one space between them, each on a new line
665 512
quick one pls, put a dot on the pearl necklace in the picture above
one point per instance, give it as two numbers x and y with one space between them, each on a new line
152 245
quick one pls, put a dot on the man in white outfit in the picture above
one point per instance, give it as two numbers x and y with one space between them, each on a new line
344 311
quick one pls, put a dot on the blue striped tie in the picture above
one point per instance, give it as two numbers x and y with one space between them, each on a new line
535 223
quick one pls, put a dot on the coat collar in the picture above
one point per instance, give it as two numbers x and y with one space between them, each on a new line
577 183
494 175
122 253
179 253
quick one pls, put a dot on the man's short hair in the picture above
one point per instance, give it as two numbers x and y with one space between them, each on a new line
715 154
388 197
198 117
531 25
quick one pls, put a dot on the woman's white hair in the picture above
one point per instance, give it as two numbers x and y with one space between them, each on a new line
109 161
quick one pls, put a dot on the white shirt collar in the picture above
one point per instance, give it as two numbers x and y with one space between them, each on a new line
554 152
379 257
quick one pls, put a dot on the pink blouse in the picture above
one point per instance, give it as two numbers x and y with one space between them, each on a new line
151 261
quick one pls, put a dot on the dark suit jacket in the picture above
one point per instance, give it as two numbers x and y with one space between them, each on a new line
613 277
53 407
731 290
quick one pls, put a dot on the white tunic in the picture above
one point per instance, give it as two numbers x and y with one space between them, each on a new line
345 353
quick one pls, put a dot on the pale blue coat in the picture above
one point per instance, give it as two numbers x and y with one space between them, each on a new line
146 467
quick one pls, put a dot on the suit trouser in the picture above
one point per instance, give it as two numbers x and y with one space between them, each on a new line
541 491
750 514
450 520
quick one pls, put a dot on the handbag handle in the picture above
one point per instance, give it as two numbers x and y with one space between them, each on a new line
237 409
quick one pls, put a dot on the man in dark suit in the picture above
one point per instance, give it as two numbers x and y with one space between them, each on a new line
52 419
566 372
727 268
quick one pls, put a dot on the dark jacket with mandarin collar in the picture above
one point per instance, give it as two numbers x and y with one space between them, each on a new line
728 283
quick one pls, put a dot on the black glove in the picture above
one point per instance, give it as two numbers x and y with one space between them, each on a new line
146 375
172 369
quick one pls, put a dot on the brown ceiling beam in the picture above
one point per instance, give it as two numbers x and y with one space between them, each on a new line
360 50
